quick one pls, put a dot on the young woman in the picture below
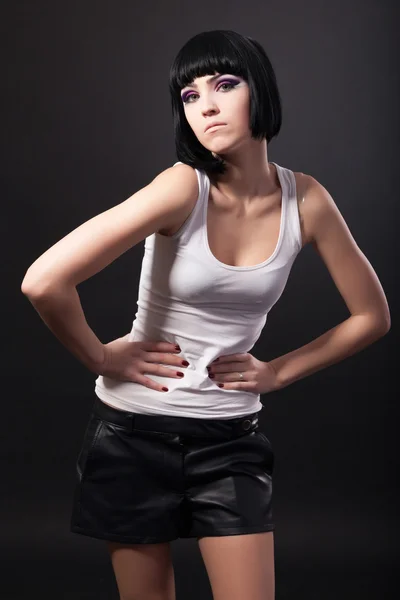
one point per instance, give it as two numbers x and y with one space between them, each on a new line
172 448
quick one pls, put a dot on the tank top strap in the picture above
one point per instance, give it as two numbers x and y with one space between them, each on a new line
292 210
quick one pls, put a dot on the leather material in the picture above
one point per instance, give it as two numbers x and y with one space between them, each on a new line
149 479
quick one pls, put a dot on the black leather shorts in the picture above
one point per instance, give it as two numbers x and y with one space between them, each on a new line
156 478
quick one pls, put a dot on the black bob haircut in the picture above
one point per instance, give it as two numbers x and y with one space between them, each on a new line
223 51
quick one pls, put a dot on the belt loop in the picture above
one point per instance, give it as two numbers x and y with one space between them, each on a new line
131 418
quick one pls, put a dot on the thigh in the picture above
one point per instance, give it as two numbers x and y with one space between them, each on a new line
240 566
143 570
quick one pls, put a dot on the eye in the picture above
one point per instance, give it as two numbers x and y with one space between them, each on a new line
230 84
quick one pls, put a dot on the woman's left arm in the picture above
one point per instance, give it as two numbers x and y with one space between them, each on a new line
356 281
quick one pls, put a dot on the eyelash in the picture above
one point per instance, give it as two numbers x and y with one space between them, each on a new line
189 95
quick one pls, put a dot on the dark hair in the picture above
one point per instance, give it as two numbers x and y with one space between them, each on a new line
223 51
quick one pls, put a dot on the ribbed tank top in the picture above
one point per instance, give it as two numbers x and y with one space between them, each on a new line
188 297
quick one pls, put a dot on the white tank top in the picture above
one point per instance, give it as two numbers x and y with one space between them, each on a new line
210 309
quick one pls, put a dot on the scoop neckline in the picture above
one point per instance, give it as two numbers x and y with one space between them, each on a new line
281 227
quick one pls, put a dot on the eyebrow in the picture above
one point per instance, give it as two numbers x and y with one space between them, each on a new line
208 81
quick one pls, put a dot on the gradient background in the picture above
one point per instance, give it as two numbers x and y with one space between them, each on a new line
86 122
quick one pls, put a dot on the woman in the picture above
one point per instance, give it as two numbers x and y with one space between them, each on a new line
178 453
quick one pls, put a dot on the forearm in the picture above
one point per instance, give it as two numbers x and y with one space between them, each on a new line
347 338
62 312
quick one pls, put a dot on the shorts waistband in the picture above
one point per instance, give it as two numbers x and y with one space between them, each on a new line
223 428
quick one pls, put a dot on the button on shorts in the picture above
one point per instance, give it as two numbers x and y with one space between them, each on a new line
156 478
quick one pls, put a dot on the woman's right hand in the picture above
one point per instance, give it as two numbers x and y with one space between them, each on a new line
128 361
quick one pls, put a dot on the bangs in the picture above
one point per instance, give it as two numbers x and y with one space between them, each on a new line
223 51
206 54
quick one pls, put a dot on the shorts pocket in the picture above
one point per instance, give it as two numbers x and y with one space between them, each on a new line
269 456
89 441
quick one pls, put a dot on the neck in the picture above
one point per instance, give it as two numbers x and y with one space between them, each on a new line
249 176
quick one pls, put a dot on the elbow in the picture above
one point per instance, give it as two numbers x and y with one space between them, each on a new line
33 293
375 325
381 324
30 286
385 327
27 288
385 321
37 287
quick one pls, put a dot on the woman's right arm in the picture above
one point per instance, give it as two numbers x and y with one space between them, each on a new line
50 282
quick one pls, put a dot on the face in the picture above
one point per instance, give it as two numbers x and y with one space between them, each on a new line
223 98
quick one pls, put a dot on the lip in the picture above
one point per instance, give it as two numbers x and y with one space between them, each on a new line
213 125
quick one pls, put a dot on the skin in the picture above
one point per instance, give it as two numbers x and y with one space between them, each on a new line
250 178
239 566
243 566
249 175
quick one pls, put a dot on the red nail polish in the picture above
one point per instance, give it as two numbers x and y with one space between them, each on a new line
220 385
165 389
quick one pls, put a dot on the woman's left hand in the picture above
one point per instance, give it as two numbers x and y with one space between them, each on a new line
258 377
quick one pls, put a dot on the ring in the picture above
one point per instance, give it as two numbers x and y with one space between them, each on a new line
241 376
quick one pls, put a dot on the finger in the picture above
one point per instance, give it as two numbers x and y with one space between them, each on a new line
229 358
160 370
234 377
166 372
149 383
164 358
236 385
159 347
228 368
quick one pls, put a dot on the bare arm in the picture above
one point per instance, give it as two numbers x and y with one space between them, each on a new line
355 280
50 282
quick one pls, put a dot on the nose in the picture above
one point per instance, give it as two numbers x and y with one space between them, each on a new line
211 110
208 105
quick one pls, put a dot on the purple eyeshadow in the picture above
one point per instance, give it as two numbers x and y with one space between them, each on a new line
222 81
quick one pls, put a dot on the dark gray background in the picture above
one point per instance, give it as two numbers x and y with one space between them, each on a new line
86 123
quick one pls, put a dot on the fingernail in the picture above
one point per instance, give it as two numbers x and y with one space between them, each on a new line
177 348
165 389
179 374
220 385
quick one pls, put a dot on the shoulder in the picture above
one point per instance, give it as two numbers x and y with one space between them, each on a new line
182 182
316 207
180 179
182 173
